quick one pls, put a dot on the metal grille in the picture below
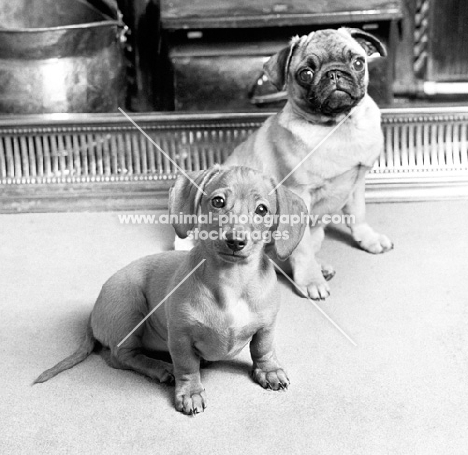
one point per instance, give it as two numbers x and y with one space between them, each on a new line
98 148
434 143
70 154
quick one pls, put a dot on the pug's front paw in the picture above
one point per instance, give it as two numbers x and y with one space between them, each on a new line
274 380
376 244
310 280
317 289
371 241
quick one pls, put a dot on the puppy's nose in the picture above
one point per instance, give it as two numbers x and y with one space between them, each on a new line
334 75
235 242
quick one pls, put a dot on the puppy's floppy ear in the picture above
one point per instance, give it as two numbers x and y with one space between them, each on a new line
368 42
185 197
288 204
277 67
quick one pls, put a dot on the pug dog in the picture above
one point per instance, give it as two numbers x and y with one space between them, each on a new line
323 142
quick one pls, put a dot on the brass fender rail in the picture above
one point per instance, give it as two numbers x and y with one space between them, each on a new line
73 162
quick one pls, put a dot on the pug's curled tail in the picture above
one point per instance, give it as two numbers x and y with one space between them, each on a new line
78 356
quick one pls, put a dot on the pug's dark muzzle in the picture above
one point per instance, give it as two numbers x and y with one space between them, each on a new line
337 103
336 92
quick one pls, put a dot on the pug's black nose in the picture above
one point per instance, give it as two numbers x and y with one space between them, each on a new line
235 243
334 75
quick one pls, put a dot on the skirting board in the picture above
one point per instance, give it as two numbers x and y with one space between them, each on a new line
77 162
414 187
153 196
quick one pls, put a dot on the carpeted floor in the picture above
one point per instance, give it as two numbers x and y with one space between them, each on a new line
402 390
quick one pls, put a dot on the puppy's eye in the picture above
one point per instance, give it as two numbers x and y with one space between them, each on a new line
306 75
359 64
261 210
218 202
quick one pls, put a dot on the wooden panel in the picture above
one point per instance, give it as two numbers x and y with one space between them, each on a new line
218 75
176 14
448 37
226 83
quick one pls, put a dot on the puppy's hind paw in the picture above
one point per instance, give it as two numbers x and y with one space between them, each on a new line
273 380
163 372
166 377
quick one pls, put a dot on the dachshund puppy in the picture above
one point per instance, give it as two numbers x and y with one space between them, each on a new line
207 303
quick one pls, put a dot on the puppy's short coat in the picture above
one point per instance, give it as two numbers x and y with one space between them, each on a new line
229 301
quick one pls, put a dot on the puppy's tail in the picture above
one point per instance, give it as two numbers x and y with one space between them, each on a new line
78 356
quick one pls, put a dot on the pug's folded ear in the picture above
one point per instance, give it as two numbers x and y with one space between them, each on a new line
293 220
277 66
368 42
185 197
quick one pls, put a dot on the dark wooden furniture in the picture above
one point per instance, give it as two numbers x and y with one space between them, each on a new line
206 14
447 39
217 49
432 61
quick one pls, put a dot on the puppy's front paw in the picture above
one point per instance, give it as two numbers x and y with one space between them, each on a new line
190 399
274 380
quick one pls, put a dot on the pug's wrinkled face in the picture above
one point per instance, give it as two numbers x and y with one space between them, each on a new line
325 72
330 74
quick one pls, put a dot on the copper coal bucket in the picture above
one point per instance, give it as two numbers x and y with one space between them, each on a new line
60 56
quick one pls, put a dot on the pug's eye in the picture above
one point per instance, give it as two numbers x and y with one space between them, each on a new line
261 210
359 64
306 76
218 202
